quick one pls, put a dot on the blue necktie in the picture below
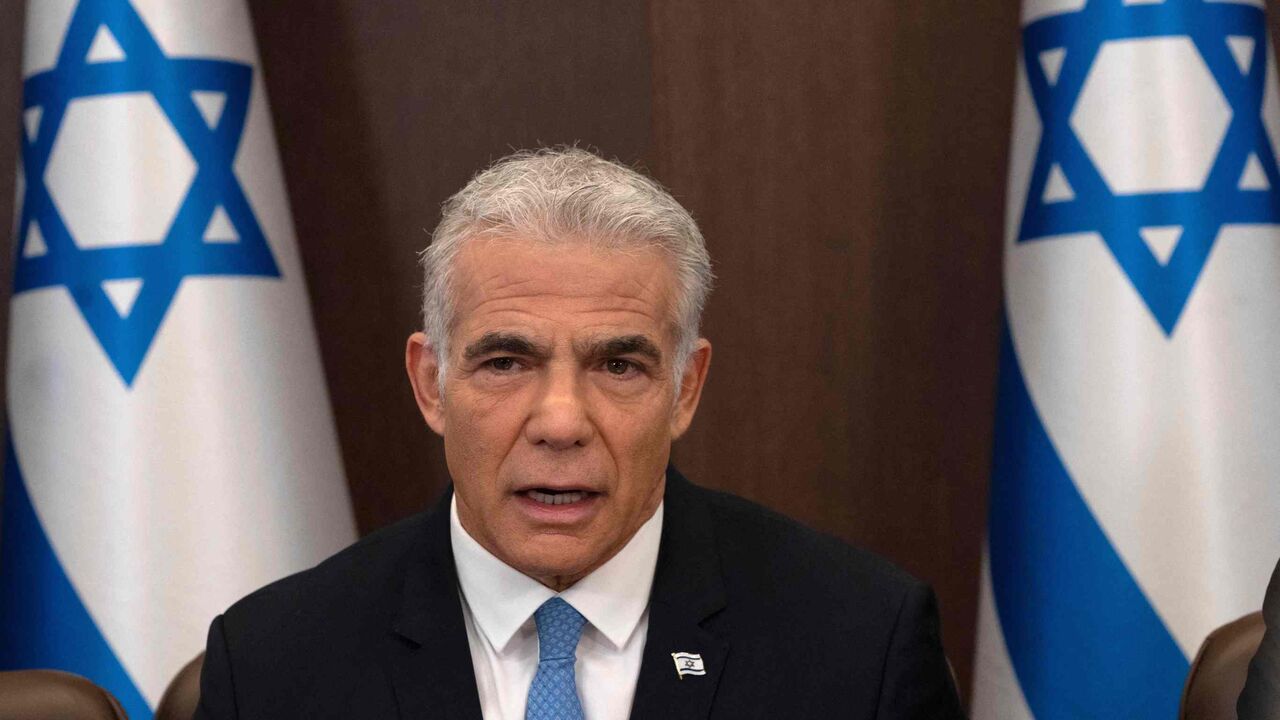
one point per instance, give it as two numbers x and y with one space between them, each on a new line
554 693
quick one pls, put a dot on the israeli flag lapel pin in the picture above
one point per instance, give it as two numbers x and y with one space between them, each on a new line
688 664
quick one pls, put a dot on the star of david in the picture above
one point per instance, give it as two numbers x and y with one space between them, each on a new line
52 258
1241 184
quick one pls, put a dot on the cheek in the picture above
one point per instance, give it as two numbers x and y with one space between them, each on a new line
640 441
478 441
483 415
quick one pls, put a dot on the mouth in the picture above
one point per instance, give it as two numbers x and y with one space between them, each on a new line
559 506
547 496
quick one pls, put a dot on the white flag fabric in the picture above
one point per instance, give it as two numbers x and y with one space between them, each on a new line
1135 492
171 442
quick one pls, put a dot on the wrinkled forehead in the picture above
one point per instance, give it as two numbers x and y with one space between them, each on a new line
510 280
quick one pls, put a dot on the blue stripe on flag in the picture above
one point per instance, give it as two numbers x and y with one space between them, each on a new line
1083 639
43 624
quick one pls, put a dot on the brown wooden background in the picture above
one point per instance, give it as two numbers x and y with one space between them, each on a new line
845 159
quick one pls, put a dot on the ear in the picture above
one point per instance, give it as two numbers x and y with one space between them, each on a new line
424 372
691 382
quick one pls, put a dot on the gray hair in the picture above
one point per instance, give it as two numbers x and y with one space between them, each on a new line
558 194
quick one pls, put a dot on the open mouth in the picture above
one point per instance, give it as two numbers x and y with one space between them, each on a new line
556 497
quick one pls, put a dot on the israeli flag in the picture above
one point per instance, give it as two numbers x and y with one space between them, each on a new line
1135 492
171 446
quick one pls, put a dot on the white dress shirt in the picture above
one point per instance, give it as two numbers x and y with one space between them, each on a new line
498 603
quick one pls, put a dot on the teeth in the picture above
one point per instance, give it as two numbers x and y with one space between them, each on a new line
563 498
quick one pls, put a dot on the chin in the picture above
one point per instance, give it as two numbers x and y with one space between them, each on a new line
553 556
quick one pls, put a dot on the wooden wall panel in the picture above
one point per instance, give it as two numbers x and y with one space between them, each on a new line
847 162
11 20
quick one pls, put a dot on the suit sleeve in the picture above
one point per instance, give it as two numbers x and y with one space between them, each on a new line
217 691
1261 695
917 679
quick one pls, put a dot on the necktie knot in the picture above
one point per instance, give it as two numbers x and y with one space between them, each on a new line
559 628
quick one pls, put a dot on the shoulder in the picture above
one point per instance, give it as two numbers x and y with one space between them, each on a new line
357 585
773 564
310 645
810 617
752 536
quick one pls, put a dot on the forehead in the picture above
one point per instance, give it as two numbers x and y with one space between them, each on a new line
520 282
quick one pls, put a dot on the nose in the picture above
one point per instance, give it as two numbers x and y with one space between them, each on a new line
560 419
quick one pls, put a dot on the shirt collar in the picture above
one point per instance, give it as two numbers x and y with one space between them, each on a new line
612 598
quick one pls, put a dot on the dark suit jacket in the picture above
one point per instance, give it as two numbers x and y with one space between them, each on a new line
1260 699
789 623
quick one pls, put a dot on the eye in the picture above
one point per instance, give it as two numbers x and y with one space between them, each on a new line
617 366
501 364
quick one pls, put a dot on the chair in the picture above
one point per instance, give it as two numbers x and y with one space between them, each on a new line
1218 673
183 694
54 695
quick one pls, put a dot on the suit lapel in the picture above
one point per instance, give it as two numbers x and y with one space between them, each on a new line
432 673
687 589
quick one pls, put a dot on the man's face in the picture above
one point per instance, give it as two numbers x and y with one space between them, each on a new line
559 404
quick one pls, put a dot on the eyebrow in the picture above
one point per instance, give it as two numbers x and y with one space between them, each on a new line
625 345
507 343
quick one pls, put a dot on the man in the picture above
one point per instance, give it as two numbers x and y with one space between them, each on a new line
571 573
